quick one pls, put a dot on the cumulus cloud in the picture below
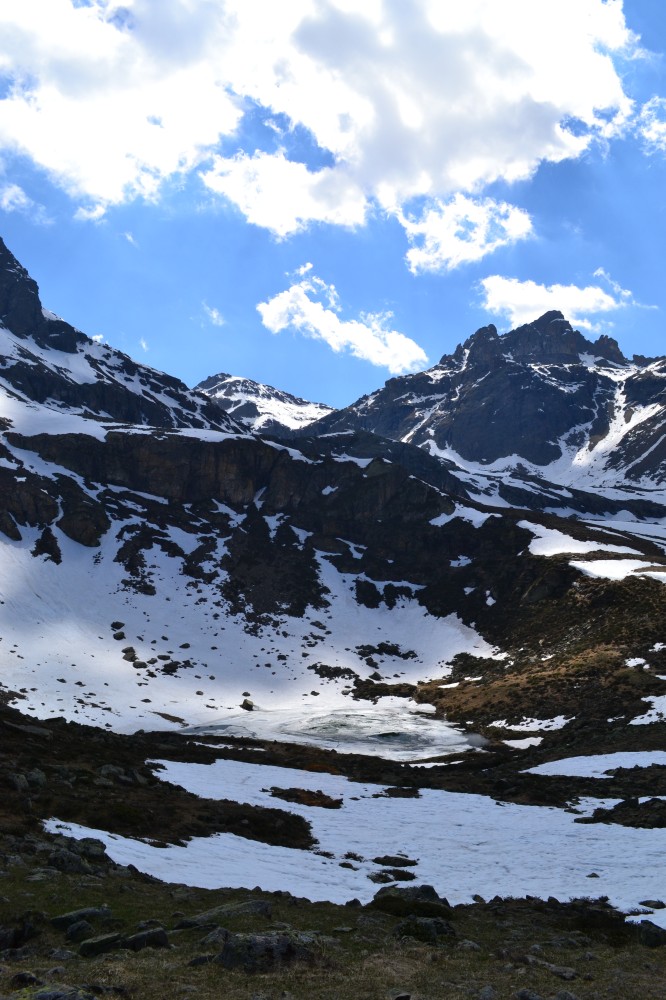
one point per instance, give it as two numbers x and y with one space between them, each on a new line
312 307
523 301
14 199
418 98
110 105
461 230
283 196
214 315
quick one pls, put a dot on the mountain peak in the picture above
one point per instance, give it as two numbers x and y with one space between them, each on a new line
21 310
260 407
550 339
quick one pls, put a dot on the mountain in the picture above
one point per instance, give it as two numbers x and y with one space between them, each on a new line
161 563
261 407
540 401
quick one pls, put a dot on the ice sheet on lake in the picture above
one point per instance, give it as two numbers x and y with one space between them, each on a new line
394 730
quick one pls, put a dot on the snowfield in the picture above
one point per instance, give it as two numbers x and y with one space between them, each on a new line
597 765
57 646
463 844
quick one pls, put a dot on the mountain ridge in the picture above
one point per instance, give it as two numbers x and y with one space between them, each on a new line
576 411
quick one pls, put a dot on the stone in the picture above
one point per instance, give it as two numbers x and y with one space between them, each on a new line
467 945
417 900
487 993
25 979
65 920
62 954
36 778
201 960
394 861
653 904
67 861
263 952
99 945
650 935
427 929
64 993
228 911
18 781
216 938
79 931
152 937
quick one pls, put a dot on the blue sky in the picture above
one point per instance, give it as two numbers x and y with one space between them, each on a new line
326 193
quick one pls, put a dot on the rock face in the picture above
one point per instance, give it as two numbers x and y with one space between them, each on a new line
540 392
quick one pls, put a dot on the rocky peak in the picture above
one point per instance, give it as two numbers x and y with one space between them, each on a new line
550 339
484 346
608 348
21 310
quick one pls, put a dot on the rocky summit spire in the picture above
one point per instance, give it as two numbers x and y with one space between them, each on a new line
21 310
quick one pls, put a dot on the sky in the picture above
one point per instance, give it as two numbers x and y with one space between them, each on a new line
323 194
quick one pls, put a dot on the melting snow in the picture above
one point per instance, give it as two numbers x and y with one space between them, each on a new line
596 765
464 844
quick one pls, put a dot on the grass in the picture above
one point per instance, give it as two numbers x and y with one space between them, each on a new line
357 955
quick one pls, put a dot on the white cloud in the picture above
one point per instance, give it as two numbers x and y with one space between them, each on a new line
408 99
523 301
143 343
14 199
281 195
130 239
300 308
110 111
651 125
213 314
94 213
461 230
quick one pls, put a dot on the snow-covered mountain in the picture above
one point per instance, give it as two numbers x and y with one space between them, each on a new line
160 564
540 401
261 407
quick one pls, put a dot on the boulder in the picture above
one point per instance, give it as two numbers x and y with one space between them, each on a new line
428 929
227 911
99 945
651 935
263 952
152 937
79 931
413 900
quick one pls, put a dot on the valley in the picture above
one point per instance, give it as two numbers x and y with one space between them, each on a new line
253 648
